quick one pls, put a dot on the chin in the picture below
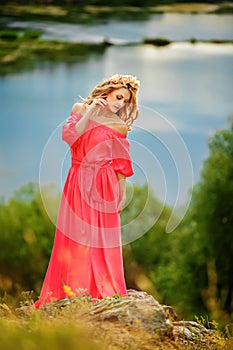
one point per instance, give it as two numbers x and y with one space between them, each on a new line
114 110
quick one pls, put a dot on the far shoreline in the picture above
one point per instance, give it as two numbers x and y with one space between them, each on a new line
90 14
22 54
21 47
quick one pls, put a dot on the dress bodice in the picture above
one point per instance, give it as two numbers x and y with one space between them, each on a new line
99 144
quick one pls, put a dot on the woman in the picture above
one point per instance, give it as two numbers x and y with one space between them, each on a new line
86 256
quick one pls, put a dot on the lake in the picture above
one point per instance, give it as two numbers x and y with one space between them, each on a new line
174 26
185 95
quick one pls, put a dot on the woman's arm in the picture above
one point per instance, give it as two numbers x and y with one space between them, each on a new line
86 113
82 123
122 191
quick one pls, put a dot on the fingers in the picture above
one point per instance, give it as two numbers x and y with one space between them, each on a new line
99 102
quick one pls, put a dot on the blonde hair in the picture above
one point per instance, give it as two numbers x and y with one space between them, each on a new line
129 112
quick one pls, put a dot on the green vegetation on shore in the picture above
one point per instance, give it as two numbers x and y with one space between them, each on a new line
94 13
74 14
22 52
160 41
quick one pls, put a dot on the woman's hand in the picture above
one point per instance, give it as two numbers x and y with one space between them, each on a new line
95 109
97 102
122 192
90 112
121 204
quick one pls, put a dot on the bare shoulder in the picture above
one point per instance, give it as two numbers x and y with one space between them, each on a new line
78 108
122 128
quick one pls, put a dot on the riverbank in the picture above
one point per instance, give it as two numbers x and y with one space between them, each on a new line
98 14
31 34
20 51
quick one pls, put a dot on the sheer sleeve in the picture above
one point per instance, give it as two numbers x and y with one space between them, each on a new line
69 132
121 157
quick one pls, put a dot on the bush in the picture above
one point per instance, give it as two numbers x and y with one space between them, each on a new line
32 34
9 35
157 41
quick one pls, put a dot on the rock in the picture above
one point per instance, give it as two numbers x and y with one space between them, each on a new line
140 309
189 332
170 313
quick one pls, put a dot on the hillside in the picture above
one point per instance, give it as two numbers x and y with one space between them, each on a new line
135 322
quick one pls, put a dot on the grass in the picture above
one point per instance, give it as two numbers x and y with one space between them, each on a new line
72 327
92 14
21 51
187 8
18 53
73 14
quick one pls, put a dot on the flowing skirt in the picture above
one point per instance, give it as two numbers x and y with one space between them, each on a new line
86 256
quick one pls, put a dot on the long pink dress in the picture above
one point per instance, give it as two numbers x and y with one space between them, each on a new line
87 256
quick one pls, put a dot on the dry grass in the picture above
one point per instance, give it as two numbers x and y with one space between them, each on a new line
187 8
72 327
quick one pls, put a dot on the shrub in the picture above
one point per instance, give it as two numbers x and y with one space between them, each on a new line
32 34
9 35
157 41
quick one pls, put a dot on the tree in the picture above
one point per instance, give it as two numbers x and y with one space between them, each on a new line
26 240
191 268
212 211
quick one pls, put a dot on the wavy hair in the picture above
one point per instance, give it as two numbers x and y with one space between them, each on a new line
129 112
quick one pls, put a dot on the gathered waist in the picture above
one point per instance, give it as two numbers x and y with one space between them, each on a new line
87 178
85 164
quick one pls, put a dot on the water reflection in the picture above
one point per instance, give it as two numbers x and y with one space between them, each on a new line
183 81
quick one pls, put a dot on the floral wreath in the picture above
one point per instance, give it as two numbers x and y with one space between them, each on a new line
125 80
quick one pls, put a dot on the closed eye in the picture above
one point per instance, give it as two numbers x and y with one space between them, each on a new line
120 97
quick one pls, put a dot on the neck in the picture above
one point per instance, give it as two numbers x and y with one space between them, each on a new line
107 113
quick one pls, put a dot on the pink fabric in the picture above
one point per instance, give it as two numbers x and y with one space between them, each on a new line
87 254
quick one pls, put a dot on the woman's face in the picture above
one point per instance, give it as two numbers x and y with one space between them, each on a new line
117 99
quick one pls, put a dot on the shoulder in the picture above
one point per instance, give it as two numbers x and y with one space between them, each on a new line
121 128
78 108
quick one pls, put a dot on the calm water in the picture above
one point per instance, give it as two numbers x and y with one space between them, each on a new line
171 25
186 91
